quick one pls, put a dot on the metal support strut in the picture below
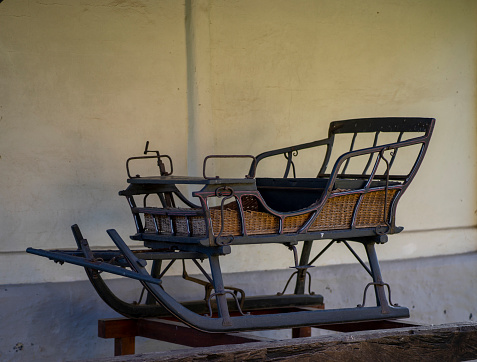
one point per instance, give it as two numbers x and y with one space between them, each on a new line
377 278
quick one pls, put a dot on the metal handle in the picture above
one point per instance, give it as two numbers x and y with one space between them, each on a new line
226 156
145 157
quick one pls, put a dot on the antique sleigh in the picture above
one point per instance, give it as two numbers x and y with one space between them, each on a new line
340 204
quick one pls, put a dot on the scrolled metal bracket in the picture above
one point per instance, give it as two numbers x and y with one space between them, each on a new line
299 269
380 284
234 296
226 193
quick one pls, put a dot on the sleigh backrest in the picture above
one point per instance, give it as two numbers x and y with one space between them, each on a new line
370 138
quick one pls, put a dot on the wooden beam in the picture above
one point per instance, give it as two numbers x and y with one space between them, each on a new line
450 342
124 346
178 333
125 330
117 328
301 332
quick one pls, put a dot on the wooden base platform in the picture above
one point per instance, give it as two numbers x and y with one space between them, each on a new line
168 329
450 342
124 331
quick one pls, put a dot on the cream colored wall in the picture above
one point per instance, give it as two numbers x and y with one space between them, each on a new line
282 70
84 84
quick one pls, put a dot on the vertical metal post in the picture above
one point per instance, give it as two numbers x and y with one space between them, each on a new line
377 278
301 274
300 286
222 307
155 272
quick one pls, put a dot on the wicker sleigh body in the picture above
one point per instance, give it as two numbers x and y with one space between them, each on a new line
342 203
371 209
362 203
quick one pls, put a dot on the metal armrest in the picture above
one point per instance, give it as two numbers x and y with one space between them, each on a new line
288 151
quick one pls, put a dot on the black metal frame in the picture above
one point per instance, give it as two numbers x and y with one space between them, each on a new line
173 246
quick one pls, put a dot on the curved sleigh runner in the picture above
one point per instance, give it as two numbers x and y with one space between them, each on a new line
355 201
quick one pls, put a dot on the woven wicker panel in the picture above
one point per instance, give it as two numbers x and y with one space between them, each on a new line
180 225
232 224
260 223
149 224
336 214
371 210
163 224
256 223
292 224
197 225
248 202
